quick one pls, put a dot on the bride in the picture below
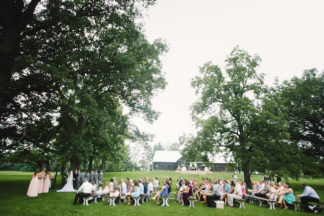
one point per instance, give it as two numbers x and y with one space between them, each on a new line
68 187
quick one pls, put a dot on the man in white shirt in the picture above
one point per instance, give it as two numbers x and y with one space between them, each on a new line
309 195
84 191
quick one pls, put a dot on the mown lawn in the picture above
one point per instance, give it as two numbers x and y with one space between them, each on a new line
13 201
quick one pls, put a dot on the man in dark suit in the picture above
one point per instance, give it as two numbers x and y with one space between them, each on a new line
75 178
63 175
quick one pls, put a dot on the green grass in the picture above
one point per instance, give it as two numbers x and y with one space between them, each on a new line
13 199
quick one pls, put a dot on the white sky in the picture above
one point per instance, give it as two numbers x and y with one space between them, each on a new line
287 34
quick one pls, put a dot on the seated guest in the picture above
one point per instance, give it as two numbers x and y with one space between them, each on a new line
181 189
187 193
237 193
262 190
111 185
271 191
203 189
141 186
84 191
243 188
286 196
122 190
99 191
163 192
309 195
150 188
209 192
156 184
220 191
168 181
134 192
114 193
255 188
227 187
105 190
145 184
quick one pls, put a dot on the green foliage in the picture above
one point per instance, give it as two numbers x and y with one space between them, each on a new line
229 99
74 75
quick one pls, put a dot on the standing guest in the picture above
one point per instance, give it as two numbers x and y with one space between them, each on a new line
96 175
84 191
88 176
41 181
115 182
75 178
237 193
47 181
79 179
286 196
309 195
91 176
63 175
33 185
100 176
277 177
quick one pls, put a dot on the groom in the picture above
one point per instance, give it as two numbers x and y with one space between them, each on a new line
84 191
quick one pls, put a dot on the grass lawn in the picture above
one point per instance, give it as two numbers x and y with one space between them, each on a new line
13 199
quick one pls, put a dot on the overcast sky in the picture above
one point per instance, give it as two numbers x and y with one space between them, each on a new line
287 34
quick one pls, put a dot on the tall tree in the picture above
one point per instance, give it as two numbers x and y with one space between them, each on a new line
229 98
91 59
302 100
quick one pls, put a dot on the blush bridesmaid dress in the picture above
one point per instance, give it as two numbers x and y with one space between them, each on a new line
46 183
33 187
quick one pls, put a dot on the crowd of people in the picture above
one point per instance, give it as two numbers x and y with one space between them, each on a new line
40 182
125 190
207 191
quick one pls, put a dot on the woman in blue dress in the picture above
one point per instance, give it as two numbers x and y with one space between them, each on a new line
163 192
134 192
287 196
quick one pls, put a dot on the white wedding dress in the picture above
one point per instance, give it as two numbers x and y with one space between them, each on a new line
68 187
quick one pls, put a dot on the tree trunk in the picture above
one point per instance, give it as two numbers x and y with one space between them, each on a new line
57 165
75 162
103 162
90 163
247 175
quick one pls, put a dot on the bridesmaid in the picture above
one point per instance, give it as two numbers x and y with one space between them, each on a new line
47 181
41 181
33 185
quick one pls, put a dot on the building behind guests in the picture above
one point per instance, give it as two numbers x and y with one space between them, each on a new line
173 160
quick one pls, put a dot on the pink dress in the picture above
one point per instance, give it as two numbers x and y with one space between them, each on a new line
46 184
40 183
33 187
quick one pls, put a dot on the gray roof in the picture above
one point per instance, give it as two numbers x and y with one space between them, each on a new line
166 156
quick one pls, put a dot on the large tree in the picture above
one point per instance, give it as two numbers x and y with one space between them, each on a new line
229 99
93 61
302 99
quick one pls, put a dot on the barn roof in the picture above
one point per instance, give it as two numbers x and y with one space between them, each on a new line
166 156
